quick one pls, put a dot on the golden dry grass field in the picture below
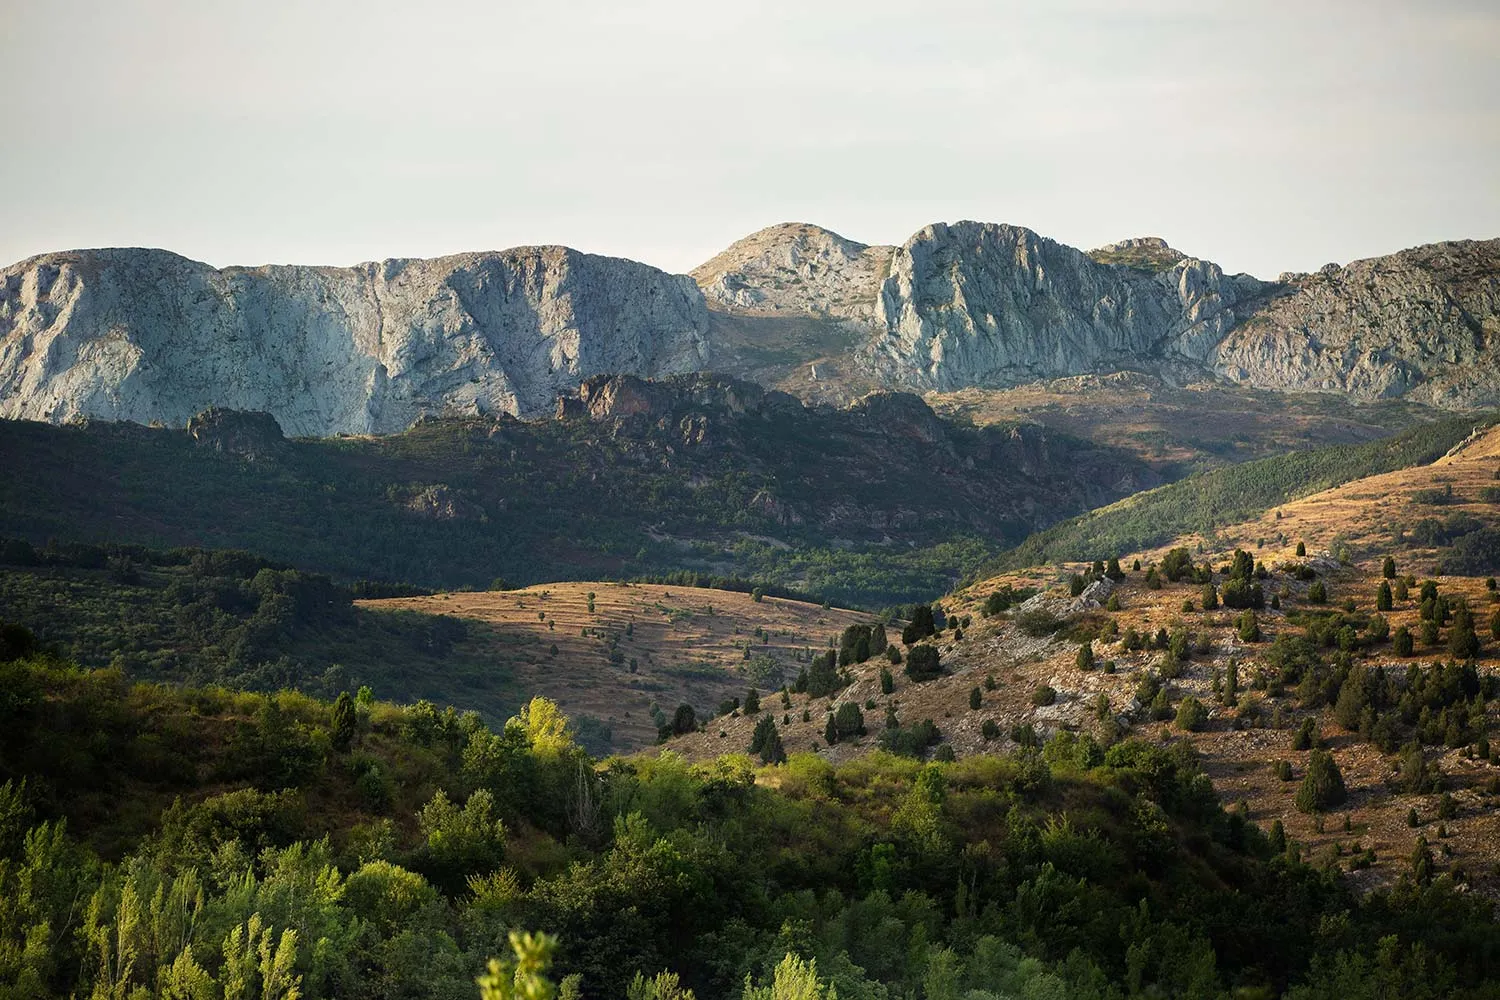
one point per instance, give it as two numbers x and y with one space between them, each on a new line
642 644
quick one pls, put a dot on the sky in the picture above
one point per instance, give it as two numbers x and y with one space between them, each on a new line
1266 136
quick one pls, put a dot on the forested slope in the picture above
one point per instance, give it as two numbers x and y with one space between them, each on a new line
152 839
1211 500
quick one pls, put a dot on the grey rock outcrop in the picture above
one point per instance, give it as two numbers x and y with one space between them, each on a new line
252 436
1422 323
795 267
982 304
146 335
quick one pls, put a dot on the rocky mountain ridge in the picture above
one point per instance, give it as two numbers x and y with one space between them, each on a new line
148 336
981 304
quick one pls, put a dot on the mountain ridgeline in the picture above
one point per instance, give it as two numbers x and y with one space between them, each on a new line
147 336
878 503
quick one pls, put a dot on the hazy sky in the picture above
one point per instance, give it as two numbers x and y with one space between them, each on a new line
1267 136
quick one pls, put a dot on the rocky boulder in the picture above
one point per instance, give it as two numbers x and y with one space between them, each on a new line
252 436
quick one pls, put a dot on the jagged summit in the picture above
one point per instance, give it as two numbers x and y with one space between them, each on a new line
1145 253
976 303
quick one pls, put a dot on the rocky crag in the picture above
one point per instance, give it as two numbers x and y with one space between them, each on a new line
1422 323
146 335
979 304
149 336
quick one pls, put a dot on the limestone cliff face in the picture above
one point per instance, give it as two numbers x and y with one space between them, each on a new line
1423 323
146 335
796 268
982 304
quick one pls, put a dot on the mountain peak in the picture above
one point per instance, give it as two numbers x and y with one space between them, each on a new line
795 267
1144 253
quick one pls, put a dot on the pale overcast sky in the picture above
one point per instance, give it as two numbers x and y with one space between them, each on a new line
1267 136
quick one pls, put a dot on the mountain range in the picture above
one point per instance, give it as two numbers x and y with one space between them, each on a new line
149 336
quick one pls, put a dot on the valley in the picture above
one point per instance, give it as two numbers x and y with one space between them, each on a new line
455 544
1095 625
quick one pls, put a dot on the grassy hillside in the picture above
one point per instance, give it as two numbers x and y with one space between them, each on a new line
876 504
628 654
385 851
618 657
1274 640
1206 502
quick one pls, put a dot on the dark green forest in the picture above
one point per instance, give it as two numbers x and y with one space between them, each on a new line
236 620
197 842
877 504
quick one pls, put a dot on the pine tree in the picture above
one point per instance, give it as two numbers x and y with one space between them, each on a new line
822 675
765 729
752 702
849 721
1383 597
1463 643
345 721
1210 597
830 731
923 623
1191 715
1323 786
1388 568
1429 633
976 698
922 663
887 682
1085 659
1301 548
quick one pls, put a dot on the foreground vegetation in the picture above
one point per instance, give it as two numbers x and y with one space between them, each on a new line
160 842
